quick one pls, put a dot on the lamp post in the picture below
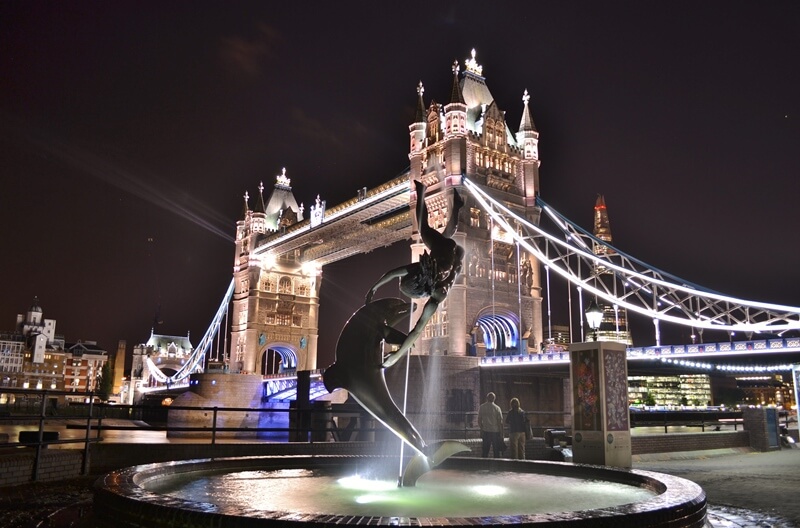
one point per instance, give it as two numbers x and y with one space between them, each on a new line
594 315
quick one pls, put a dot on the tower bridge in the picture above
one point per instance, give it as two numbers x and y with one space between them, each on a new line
376 218
496 307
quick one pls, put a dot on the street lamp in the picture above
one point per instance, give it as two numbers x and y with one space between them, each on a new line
594 315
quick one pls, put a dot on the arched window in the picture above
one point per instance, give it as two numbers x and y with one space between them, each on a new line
285 285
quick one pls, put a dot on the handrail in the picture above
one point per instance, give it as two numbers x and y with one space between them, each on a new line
42 440
311 424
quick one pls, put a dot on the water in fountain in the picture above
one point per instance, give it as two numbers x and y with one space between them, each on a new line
370 491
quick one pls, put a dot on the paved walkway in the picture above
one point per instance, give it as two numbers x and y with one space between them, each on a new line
745 489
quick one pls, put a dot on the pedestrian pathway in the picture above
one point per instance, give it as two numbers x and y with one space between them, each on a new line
745 488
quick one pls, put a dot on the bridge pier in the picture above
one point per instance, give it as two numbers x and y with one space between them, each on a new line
222 390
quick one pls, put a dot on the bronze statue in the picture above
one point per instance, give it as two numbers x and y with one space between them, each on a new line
359 365
433 275
360 358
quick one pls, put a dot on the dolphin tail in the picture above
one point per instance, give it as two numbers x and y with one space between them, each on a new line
416 467
419 465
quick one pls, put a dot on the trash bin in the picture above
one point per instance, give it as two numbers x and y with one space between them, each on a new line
553 437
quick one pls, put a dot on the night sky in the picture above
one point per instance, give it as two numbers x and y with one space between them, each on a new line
129 132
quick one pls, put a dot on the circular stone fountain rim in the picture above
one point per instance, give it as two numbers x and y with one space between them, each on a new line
121 490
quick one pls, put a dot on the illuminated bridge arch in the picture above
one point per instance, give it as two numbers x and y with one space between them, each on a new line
500 330
277 358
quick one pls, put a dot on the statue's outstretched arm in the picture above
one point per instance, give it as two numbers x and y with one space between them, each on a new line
402 271
394 336
413 335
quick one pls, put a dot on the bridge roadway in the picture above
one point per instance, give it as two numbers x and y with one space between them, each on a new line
676 352
277 383
380 217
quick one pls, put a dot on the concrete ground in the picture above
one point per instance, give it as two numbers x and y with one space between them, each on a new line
745 489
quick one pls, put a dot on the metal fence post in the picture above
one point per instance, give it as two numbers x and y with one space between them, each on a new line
214 427
42 409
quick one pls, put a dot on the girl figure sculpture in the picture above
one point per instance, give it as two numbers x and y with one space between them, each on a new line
433 275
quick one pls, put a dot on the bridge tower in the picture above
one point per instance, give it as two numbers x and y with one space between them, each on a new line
494 308
275 306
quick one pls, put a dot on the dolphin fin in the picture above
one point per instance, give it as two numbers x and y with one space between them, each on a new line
447 449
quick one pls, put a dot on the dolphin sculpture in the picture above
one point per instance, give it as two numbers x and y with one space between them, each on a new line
358 367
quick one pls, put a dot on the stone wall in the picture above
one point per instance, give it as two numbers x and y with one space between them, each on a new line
673 442
54 464
209 390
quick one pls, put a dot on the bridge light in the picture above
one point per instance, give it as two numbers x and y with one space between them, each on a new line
594 316
309 268
269 261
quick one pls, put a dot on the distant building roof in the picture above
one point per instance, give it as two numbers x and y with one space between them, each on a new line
159 341
87 347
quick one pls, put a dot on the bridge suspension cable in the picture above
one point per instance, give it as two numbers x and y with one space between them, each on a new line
645 289
195 361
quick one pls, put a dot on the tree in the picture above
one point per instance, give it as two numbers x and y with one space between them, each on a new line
105 383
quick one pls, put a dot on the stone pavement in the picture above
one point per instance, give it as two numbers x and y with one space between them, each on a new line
745 489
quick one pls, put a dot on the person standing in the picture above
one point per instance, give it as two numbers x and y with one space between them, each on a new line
517 428
490 421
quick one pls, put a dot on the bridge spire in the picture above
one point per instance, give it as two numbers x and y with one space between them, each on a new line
417 129
528 139
420 116
455 113
455 94
260 208
526 125
246 208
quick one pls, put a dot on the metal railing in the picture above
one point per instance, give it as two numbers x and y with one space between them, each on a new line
312 424
38 409
318 422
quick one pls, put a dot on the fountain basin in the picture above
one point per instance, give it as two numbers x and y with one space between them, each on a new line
150 496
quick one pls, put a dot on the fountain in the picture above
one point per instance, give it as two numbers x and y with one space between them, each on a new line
328 490
337 490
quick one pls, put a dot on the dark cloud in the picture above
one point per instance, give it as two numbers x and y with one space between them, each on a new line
314 130
249 56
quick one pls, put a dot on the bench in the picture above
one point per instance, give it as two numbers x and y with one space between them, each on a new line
32 437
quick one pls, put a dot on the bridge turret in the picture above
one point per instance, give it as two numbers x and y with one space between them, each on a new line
455 112
528 139
242 251
454 154
258 216
417 133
